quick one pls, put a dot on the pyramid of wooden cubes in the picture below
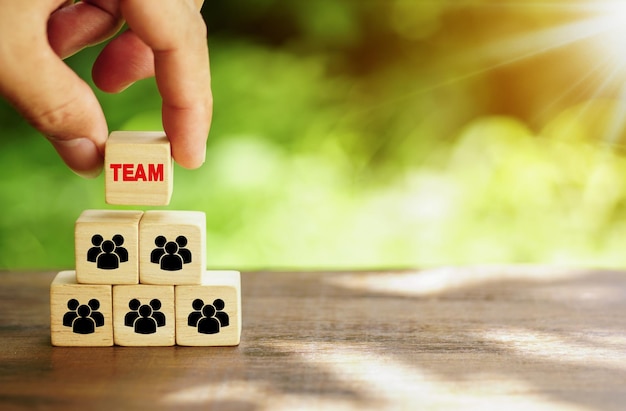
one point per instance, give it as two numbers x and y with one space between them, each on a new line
140 277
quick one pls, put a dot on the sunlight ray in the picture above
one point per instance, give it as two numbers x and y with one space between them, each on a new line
618 120
526 45
580 87
602 27
542 346
420 388
571 6
446 279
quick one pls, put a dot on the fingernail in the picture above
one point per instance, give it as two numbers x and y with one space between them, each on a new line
200 158
203 155
81 155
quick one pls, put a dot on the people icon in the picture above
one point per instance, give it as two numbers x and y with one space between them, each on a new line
145 323
107 254
170 255
133 314
121 252
144 318
171 260
208 318
92 254
219 305
83 318
208 324
157 253
107 259
184 253
194 317
158 316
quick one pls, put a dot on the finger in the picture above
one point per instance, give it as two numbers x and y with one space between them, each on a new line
59 104
176 33
125 60
45 91
74 27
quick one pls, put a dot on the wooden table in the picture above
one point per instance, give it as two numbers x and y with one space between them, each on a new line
446 338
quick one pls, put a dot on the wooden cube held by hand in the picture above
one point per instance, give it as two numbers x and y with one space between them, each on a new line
138 168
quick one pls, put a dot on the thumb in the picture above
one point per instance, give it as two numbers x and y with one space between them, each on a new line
59 104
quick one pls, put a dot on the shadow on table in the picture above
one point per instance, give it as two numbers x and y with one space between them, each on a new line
541 337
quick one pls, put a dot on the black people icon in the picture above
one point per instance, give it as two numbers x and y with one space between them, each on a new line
170 255
83 318
144 318
208 318
107 254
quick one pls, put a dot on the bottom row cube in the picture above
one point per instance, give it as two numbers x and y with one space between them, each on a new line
208 314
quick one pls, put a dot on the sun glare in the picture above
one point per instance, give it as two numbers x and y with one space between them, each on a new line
611 23
594 33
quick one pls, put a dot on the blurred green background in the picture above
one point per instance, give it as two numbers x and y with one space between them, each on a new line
373 133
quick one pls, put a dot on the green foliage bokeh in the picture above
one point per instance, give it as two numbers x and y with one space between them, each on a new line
365 134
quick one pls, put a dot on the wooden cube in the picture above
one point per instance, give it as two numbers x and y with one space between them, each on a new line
172 247
143 315
209 314
138 168
80 315
107 247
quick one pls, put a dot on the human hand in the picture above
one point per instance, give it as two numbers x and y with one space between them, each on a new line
166 38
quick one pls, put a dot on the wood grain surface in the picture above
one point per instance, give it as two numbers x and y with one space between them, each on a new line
446 338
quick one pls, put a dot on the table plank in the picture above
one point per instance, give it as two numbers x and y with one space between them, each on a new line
467 337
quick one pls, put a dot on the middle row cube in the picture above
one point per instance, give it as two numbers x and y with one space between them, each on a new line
130 247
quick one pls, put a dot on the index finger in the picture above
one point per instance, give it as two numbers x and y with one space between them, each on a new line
176 33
